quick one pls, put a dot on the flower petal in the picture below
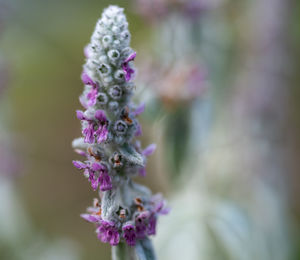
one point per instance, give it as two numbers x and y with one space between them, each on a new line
149 150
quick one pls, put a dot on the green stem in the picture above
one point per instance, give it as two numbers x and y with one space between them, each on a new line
142 251
123 252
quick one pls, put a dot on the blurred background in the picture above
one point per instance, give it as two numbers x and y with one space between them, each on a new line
219 78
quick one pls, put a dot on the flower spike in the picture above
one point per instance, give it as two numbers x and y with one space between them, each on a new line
128 212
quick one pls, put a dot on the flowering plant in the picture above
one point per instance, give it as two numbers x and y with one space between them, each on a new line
126 212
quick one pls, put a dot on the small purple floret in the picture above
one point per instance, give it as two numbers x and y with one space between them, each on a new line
152 225
102 133
92 97
100 116
141 224
94 181
100 123
80 152
143 172
80 115
126 68
79 165
87 80
138 131
91 218
129 234
105 181
88 132
131 57
108 233
149 150
97 167
139 110
97 173
160 205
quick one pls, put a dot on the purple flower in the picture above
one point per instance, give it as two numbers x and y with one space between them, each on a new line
138 131
149 150
139 110
97 167
92 95
88 132
126 68
129 234
91 218
94 213
96 127
87 80
141 224
152 225
97 173
79 165
80 152
102 131
100 115
94 180
142 172
159 205
105 180
108 233
80 115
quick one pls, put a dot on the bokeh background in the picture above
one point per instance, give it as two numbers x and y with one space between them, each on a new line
221 83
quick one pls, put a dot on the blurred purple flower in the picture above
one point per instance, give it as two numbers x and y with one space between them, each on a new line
159 204
143 172
149 150
126 68
139 110
93 93
91 218
94 213
152 225
87 80
141 224
108 233
97 174
90 132
129 234
138 131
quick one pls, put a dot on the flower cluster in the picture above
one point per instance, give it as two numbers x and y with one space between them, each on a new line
131 224
128 212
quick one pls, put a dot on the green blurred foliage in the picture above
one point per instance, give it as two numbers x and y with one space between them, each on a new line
43 45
